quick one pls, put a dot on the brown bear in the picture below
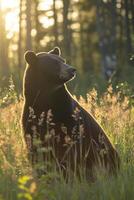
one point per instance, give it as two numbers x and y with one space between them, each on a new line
52 115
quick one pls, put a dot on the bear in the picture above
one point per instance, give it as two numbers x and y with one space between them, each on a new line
52 115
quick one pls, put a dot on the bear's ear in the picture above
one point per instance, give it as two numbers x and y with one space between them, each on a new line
30 57
55 51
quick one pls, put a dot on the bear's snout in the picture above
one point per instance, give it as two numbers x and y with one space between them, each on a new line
72 70
67 72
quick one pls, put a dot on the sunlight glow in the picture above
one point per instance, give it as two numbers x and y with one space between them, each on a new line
12 24
11 8
45 5
46 22
9 4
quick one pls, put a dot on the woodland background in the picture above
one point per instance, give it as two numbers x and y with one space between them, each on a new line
96 36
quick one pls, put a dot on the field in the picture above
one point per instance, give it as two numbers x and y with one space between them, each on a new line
113 110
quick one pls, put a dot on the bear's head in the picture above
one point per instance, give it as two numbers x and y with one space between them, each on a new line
47 68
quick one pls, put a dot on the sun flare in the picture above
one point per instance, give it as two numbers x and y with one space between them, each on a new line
9 4
45 5
11 8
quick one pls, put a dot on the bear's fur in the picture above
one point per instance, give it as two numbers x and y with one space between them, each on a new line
49 109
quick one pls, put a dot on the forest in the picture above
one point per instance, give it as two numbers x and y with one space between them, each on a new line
96 37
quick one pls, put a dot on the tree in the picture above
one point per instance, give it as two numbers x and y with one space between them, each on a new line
128 28
106 26
66 29
20 35
28 25
55 27
3 49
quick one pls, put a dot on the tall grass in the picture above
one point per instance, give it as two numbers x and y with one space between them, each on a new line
18 180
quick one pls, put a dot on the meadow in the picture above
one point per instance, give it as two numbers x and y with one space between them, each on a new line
114 110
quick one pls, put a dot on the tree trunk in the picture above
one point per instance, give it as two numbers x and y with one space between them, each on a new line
107 36
20 37
36 17
66 31
128 31
132 12
55 23
3 50
28 25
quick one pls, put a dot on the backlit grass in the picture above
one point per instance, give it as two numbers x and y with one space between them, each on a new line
114 111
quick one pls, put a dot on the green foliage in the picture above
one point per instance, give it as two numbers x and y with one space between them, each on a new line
27 188
95 36
8 95
19 181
